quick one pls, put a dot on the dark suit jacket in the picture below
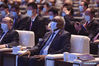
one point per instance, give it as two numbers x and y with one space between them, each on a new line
24 22
92 28
69 21
38 27
11 38
60 44
15 20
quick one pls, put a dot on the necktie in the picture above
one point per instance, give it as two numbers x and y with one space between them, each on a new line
48 42
31 25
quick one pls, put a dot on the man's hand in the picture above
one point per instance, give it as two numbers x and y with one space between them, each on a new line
21 53
40 57
2 46
96 41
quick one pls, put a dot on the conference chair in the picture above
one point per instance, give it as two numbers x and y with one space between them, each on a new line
79 44
26 38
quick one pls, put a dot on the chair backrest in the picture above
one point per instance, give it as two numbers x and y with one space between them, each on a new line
80 44
26 38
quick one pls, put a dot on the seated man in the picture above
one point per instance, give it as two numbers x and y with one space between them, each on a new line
92 28
54 42
8 36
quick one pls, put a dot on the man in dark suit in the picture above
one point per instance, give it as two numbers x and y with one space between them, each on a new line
14 14
91 26
8 37
37 24
54 42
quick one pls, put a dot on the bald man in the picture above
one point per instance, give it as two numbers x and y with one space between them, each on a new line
9 37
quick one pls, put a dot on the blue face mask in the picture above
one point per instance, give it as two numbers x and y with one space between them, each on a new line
87 18
44 9
81 8
3 13
22 0
53 25
9 6
1 2
50 3
51 17
4 27
63 14
38 1
29 13
14 14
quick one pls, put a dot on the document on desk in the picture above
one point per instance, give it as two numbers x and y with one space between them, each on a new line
5 49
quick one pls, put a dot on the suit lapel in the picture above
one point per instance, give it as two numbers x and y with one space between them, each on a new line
46 39
3 37
56 37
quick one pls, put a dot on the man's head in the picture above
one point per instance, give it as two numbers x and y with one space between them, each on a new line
6 24
52 12
57 23
32 9
89 14
67 9
14 11
3 9
83 6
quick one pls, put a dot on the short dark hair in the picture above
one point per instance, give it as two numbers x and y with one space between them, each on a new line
47 4
4 5
92 11
69 7
85 4
15 6
54 10
33 5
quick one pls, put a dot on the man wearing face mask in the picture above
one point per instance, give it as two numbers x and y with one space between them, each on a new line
46 7
3 11
9 37
82 8
36 23
14 14
91 26
54 42
39 1
52 12
67 13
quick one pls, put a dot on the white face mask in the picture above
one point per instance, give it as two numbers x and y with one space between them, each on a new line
3 13
4 27
81 8
87 18
29 13
53 25
51 17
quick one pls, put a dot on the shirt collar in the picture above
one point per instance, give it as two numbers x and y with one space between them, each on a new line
34 18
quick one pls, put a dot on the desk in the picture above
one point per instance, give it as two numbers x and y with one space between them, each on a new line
62 63
9 59
84 63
